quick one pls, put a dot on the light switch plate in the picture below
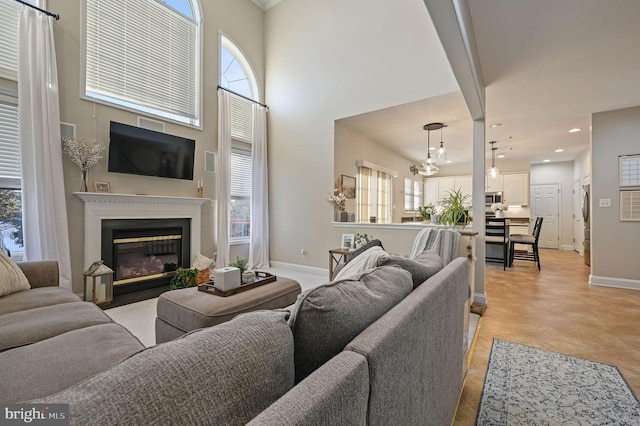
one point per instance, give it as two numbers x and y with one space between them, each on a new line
605 202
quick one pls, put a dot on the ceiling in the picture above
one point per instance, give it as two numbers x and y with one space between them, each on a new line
547 66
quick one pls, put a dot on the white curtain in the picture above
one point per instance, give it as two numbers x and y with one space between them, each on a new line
223 184
259 247
44 217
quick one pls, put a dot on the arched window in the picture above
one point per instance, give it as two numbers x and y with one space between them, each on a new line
145 55
237 76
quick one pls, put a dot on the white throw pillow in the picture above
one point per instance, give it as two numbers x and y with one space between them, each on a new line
12 279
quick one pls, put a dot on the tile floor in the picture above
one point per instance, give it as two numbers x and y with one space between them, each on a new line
555 309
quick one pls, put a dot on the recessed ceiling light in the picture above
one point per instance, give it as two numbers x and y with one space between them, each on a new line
449 161
546 161
559 150
496 125
575 129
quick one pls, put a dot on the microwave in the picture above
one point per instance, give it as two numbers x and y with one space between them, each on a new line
492 198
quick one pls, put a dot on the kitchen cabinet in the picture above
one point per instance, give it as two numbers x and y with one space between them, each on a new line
515 189
431 191
493 184
435 189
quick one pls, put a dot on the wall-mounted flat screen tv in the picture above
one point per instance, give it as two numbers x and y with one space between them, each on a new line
139 151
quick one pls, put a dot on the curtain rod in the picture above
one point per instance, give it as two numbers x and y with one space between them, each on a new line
46 12
242 96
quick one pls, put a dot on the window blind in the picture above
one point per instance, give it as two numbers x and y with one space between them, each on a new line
240 173
10 12
10 166
143 55
241 116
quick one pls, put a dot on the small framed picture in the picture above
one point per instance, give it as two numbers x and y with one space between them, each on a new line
348 184
348 241
102 186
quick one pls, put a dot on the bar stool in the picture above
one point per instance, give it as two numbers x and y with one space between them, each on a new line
531 240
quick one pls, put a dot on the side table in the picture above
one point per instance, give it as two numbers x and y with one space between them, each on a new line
336 256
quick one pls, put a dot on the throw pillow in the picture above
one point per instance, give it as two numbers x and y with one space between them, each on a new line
422 267
325 319
367 260
360 250
12 279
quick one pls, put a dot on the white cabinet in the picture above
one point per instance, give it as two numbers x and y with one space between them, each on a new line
516 189
493 184
445 184
431 191
463 183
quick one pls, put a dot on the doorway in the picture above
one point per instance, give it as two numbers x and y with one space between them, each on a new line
578 227
545 202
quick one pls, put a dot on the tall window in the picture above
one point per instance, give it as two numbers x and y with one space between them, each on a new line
413 195
10 13
10 179
237 76
145 55
374 194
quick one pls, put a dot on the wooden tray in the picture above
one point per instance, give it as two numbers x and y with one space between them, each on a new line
262 278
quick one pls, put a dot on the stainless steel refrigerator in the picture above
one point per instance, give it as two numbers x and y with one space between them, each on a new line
587 223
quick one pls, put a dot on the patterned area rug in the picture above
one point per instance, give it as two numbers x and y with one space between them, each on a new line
525 385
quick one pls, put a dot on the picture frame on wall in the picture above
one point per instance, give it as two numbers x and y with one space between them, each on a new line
348 186
102 187
348 241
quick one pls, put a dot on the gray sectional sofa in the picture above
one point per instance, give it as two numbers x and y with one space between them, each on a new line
385 353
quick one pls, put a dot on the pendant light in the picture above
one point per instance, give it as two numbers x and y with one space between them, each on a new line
493 171
429 167
442 151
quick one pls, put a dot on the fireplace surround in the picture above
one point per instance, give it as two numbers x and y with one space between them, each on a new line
104 209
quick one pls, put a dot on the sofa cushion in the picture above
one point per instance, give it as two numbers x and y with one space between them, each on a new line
36 298
12 278
54 364
222 375
424 266
34 325
324 319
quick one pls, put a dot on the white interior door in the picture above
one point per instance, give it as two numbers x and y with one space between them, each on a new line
578 227
545 202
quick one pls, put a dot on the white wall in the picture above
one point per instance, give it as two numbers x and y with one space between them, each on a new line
562 174
328 60
614 244
240 20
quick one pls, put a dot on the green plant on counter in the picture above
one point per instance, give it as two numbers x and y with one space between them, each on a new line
240 264
425 211
183 278
455 208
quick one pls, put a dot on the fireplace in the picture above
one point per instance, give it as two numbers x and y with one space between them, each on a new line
104 207
142 251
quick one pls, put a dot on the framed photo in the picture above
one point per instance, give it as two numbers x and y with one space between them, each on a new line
348 185
348 241
102 186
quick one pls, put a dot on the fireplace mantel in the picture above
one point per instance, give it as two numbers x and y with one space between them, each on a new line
99 206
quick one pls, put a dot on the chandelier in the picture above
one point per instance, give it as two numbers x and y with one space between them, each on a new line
429 167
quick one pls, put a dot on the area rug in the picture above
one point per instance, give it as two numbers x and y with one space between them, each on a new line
531 386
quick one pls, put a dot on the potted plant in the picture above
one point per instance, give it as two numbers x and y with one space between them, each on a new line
362 239
183 278
240 264
455 208
425 212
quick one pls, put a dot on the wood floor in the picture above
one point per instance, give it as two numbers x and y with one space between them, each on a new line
555 309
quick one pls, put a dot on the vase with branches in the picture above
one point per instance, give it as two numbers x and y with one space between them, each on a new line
84 155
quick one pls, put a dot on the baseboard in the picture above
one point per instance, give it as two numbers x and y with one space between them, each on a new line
567 247
301 268
614 282
480 298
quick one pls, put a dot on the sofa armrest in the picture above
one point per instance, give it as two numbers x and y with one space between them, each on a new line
43 273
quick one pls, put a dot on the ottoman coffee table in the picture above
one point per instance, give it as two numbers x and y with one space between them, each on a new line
187 309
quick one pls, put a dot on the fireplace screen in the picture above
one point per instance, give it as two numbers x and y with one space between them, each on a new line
143 258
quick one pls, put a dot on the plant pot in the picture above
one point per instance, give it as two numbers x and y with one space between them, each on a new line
342 216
